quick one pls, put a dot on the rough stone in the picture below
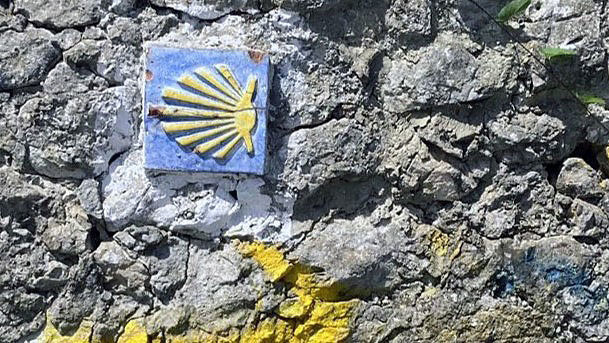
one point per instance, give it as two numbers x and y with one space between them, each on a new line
207 10
88 195
71 133
63 14
428 180
26 57
29 207
447 73
200 205
364 256
578 180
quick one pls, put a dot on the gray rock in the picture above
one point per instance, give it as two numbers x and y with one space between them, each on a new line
516 201
63 14
68 38
139 239
364 256
27 205
121 273
588 220
84 287
313 5
55 276
123 6
213 289
446 73
410 19
167 264
8 21
74 134
578 180
68 237
529 137
420 161
426 171
198 205
23 314
26 57
84 53
574 25
310 157
88 195
205 9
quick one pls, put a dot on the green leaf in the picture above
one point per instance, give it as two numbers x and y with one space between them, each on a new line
512 9
556 53
589 99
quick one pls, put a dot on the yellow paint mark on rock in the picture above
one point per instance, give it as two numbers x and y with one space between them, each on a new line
81 335
293 308
429 292
442 245
134 332
439 242
271 260
316 315
200 337
270 330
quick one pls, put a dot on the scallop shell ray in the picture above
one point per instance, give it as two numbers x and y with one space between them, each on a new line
216 115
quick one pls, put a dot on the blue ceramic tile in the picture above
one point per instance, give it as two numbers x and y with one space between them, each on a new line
205 110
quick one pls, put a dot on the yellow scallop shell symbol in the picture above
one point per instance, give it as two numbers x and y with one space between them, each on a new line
218 113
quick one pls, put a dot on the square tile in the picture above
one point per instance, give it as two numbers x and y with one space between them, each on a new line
205 110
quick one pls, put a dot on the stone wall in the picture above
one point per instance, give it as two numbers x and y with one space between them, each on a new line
427 180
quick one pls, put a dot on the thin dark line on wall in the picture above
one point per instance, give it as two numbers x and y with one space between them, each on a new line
538 60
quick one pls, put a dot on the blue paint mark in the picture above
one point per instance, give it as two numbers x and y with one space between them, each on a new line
504 285
554 275
532 269
558 278
165 66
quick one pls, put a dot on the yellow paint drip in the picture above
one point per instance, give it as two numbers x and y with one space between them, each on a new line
316 315
439 242
200 337
271 260
134 332
81 335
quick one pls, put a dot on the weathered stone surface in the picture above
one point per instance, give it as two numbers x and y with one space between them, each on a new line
446 73
30 208
410 19
200 205
88 194
207 10
63 13
313 5
428 180
364 254
516 201
312 156
529 137
578 180
72 133
26 57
